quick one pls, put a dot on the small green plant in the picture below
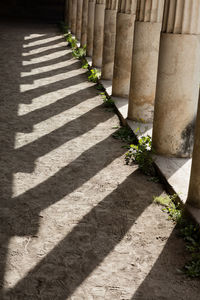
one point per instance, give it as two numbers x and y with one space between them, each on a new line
72 42
94 75
141 154
189 231
79 53
192 268
108 102
171 207
100 87
125 134
85 64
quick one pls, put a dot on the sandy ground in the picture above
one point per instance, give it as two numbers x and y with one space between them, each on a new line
75 221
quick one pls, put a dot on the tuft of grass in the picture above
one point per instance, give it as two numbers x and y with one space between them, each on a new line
85 64
171 207
100 87
125 134
163 200
192 268
108 102
189 231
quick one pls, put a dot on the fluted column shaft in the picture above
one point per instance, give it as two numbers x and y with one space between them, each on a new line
73 16
79 19
109 39
145 60
98 33
178 79
90 27
194 187
84 23
123 47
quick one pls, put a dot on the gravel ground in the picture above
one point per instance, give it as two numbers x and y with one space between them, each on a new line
75 221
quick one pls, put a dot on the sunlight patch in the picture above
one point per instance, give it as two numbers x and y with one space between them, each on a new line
52 79
44 58
45 48
45 69
40 42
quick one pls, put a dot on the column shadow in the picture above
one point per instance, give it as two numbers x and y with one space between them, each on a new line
165 281
85 247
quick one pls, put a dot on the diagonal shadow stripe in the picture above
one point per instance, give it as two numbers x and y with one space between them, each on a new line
30 56
47 44
25 123
87 245
75 65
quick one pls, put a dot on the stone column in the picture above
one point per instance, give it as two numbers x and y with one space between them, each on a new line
73 16
109 39
90 27
194 188
79 19
98 33
145 60
84 23
123 47
178 79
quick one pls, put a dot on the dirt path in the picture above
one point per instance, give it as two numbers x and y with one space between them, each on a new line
75 221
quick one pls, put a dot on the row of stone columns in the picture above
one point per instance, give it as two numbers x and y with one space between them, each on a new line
150 49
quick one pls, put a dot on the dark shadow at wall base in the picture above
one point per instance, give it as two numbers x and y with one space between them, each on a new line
46 10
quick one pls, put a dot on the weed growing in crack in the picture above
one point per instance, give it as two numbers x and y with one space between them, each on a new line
108 102
85 64
171 207
189 231
125 134
79 53
72 42
100 87
141 154
94 75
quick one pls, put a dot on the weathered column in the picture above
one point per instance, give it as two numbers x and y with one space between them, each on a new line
123 47
145 60
84 23
178 79
90 27
79 19
98 33
73 16
194 188
109 39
